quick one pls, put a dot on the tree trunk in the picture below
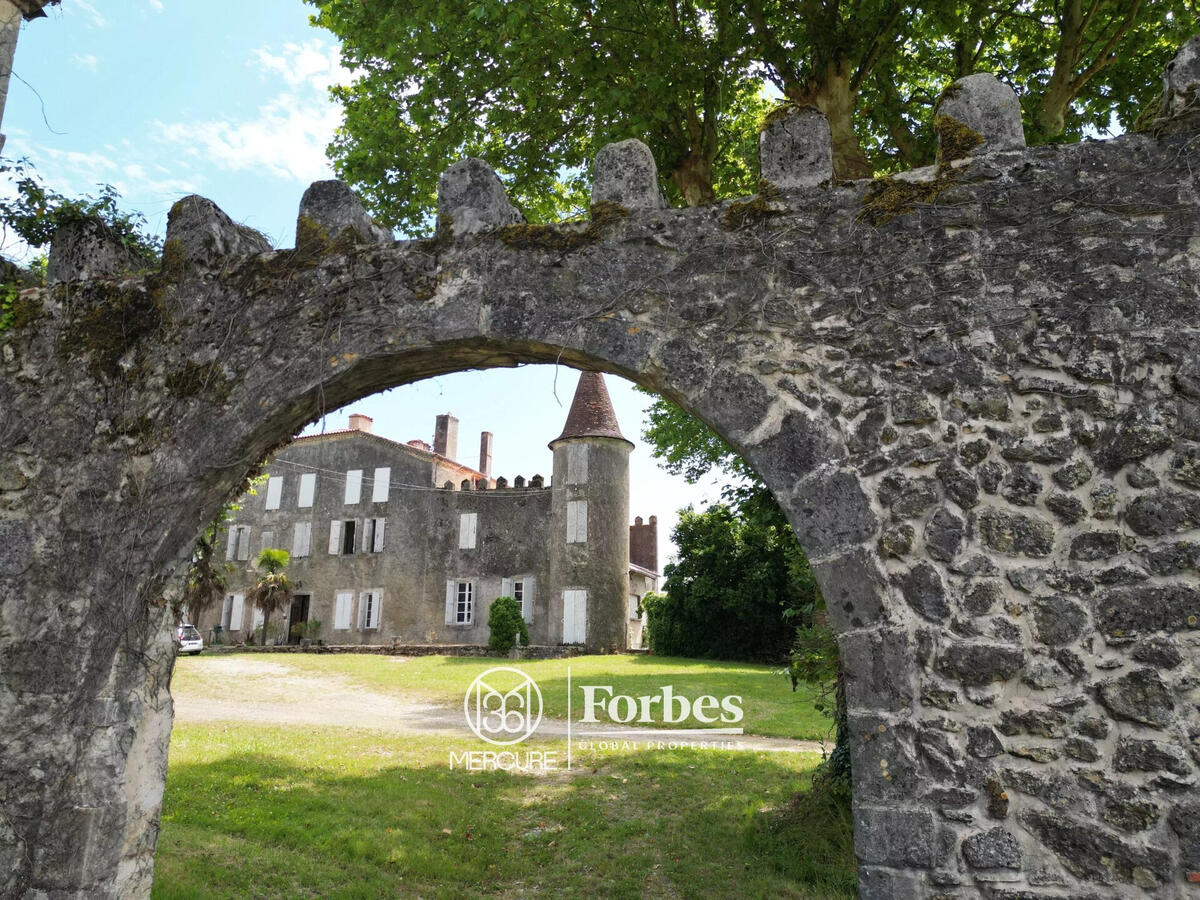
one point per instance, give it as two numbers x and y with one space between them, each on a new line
694 178
266 621
833 96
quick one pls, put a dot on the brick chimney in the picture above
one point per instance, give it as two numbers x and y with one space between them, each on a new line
445 436
643 543
485 453
359 422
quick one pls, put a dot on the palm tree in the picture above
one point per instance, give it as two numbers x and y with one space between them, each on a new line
206 577
274 589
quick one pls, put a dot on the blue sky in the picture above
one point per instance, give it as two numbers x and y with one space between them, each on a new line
163 98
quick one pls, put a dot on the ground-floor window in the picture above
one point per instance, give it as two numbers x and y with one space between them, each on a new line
460 602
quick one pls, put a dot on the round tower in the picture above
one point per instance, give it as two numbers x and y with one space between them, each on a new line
589 546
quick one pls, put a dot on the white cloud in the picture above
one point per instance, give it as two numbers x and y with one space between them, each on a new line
156 5
86 61
88 11
288 136
315 64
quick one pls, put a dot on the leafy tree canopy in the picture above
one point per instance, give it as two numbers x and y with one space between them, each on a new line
536 87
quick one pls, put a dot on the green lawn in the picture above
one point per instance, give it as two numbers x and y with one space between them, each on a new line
280 812
771 707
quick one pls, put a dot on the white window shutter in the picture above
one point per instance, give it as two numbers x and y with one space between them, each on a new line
527 600
365 530
274 492
243 542
335 537
376 607
383 478
380 524
577 464
364 601
353 486
268 540
236 612
466 531
231 539
474 529
341 610
308 489
577 512
505 587
451 602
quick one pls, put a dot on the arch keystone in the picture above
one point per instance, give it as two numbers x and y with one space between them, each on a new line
471 199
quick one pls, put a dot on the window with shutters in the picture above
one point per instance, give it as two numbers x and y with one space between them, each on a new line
237 606
274 492
522 591
577 515
341 610
368 608
577 464
349 534
353 486
238 545
381 485
634 601
468 524
302 539
464 602
373 532
308 490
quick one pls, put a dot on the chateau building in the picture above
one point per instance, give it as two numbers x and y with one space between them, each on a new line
400 542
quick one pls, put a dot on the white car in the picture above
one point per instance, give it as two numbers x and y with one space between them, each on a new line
188 640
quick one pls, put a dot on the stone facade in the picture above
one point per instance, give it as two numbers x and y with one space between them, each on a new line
974 390
399 543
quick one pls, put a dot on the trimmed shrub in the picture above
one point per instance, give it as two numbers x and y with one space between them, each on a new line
506 625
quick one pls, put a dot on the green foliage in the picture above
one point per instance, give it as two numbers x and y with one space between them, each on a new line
727 593
506 625
34 212
207 577
273 590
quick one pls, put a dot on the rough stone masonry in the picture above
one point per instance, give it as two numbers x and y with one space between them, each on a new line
975 389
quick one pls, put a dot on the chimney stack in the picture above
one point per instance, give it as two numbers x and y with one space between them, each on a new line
445 436
485 453
359 422
643 543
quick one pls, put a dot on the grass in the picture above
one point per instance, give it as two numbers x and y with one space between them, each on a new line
256 811
771 707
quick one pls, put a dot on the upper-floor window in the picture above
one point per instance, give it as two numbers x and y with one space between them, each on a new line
238 546
460 602
577 521
353 486
308 489
381 485
577 464
373 530
468 524
274 491
343 534
302 539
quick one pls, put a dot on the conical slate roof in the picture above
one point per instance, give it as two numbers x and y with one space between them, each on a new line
592 413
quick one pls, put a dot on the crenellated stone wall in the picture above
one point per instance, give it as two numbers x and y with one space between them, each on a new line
974 389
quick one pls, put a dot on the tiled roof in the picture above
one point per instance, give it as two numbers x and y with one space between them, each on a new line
592 413
415 451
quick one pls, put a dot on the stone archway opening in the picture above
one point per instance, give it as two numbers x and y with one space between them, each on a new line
974 391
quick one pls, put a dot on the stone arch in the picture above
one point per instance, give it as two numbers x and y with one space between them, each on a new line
975 391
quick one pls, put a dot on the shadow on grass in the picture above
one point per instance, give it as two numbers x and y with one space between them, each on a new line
689 824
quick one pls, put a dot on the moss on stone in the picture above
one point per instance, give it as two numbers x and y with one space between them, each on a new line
762 205
175 265
955 140
564 237
117 320
199 379
19 309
